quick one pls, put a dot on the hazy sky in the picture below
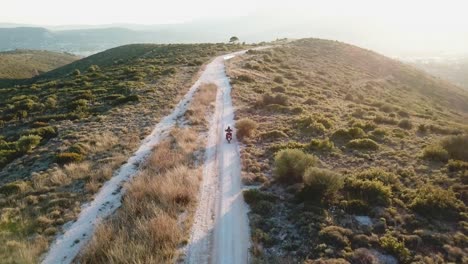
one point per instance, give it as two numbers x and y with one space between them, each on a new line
422 22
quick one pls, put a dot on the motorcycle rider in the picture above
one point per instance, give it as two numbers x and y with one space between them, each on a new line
228 133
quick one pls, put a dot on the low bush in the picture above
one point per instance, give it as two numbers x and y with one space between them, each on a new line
290 165
321 145
363 144
348 134
457 165
68 157
45 132
245 128
27 143
355 206
435 153
245 78
321 183
278 89
271 135
127 99
456 147
397 248
279 99
336 236
385 120
432 201
378 174
405 124
374 192
278 79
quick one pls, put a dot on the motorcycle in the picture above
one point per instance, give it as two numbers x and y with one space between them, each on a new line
229 137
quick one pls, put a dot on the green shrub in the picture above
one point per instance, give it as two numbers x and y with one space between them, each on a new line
374 192
252 196
68 157
274 134
379 174
432 201
321 145
355 206
435 153
245 78
395 247
78 148
290 165
279 99
312 125
46 132
335 236
278 79
456 147
363 143
385 120
245 128
126 99
405 124
288 145
321 183
457 165
379 133
14 187
278 89
348 134
27 143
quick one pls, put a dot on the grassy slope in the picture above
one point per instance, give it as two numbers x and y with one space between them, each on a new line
89 122
318 90
21 64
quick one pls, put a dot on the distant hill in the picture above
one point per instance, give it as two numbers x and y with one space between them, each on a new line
455 71
21 64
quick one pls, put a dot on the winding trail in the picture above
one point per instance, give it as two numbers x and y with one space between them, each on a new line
220 233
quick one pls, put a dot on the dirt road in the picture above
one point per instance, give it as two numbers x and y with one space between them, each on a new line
220 233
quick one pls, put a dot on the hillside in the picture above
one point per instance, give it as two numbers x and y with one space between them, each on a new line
356 157
64 135
22 64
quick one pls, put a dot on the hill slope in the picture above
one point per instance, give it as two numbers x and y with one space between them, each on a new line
21 64
63 135
358 157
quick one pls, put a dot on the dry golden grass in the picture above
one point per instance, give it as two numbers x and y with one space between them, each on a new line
206 96
147 228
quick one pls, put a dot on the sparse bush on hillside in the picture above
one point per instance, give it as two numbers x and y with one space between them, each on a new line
278 79
456 147
385 120
363 144
279 99
321 183
68 157
313 125
245 128
278 89
348 134
457 165
432 201
290 165
405 123
435 153
395 247
321 145
379 174
272 135
336 236
245 78
372 191
27 143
